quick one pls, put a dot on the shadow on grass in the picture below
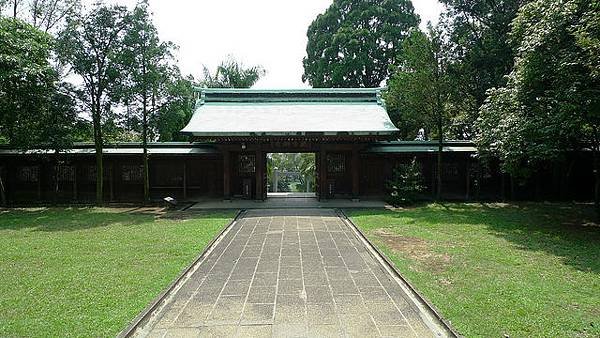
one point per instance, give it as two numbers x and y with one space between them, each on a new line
81 218
564 230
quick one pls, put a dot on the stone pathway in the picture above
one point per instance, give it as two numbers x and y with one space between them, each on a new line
289 273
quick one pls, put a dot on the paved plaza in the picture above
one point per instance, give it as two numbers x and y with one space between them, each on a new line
290 273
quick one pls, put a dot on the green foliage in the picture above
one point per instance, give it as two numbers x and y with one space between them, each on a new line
35 110
551 103
232 74
177 112
353 43
418 89
92 45
406 185
481 55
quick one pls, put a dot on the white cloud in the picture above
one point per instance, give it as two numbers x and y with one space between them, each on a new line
267 32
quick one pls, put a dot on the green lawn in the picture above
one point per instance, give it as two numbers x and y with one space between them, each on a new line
89 271
493 270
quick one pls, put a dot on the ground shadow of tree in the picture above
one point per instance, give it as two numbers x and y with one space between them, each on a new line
71 219
564 230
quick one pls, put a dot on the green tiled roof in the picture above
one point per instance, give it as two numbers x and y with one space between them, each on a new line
289 112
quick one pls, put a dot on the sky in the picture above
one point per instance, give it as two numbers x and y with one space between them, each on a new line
271 33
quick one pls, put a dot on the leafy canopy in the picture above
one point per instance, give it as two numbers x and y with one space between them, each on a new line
418 89
232 74
481 54
353 43
35 110
551 103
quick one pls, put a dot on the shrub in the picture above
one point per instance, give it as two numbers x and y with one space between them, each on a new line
406 184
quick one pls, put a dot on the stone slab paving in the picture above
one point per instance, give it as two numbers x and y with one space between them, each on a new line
289 273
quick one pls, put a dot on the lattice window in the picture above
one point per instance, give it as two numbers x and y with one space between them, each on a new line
65 173
132 173
336 163
29 174
247 164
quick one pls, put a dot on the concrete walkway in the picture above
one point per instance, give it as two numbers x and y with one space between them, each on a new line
290 273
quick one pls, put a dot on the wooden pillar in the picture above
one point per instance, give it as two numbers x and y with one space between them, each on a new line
355 173
323 174
184 179
226 174
259 169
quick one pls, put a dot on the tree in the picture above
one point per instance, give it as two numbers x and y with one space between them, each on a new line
26 79
354 43
46 15
232 74
148 64
91 44
36 110
32 100
176 113
481 55
551 103
418 91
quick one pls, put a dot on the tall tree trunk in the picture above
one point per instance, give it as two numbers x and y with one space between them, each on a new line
15 8
98 145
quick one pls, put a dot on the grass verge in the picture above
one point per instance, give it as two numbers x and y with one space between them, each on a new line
89 271
517 270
